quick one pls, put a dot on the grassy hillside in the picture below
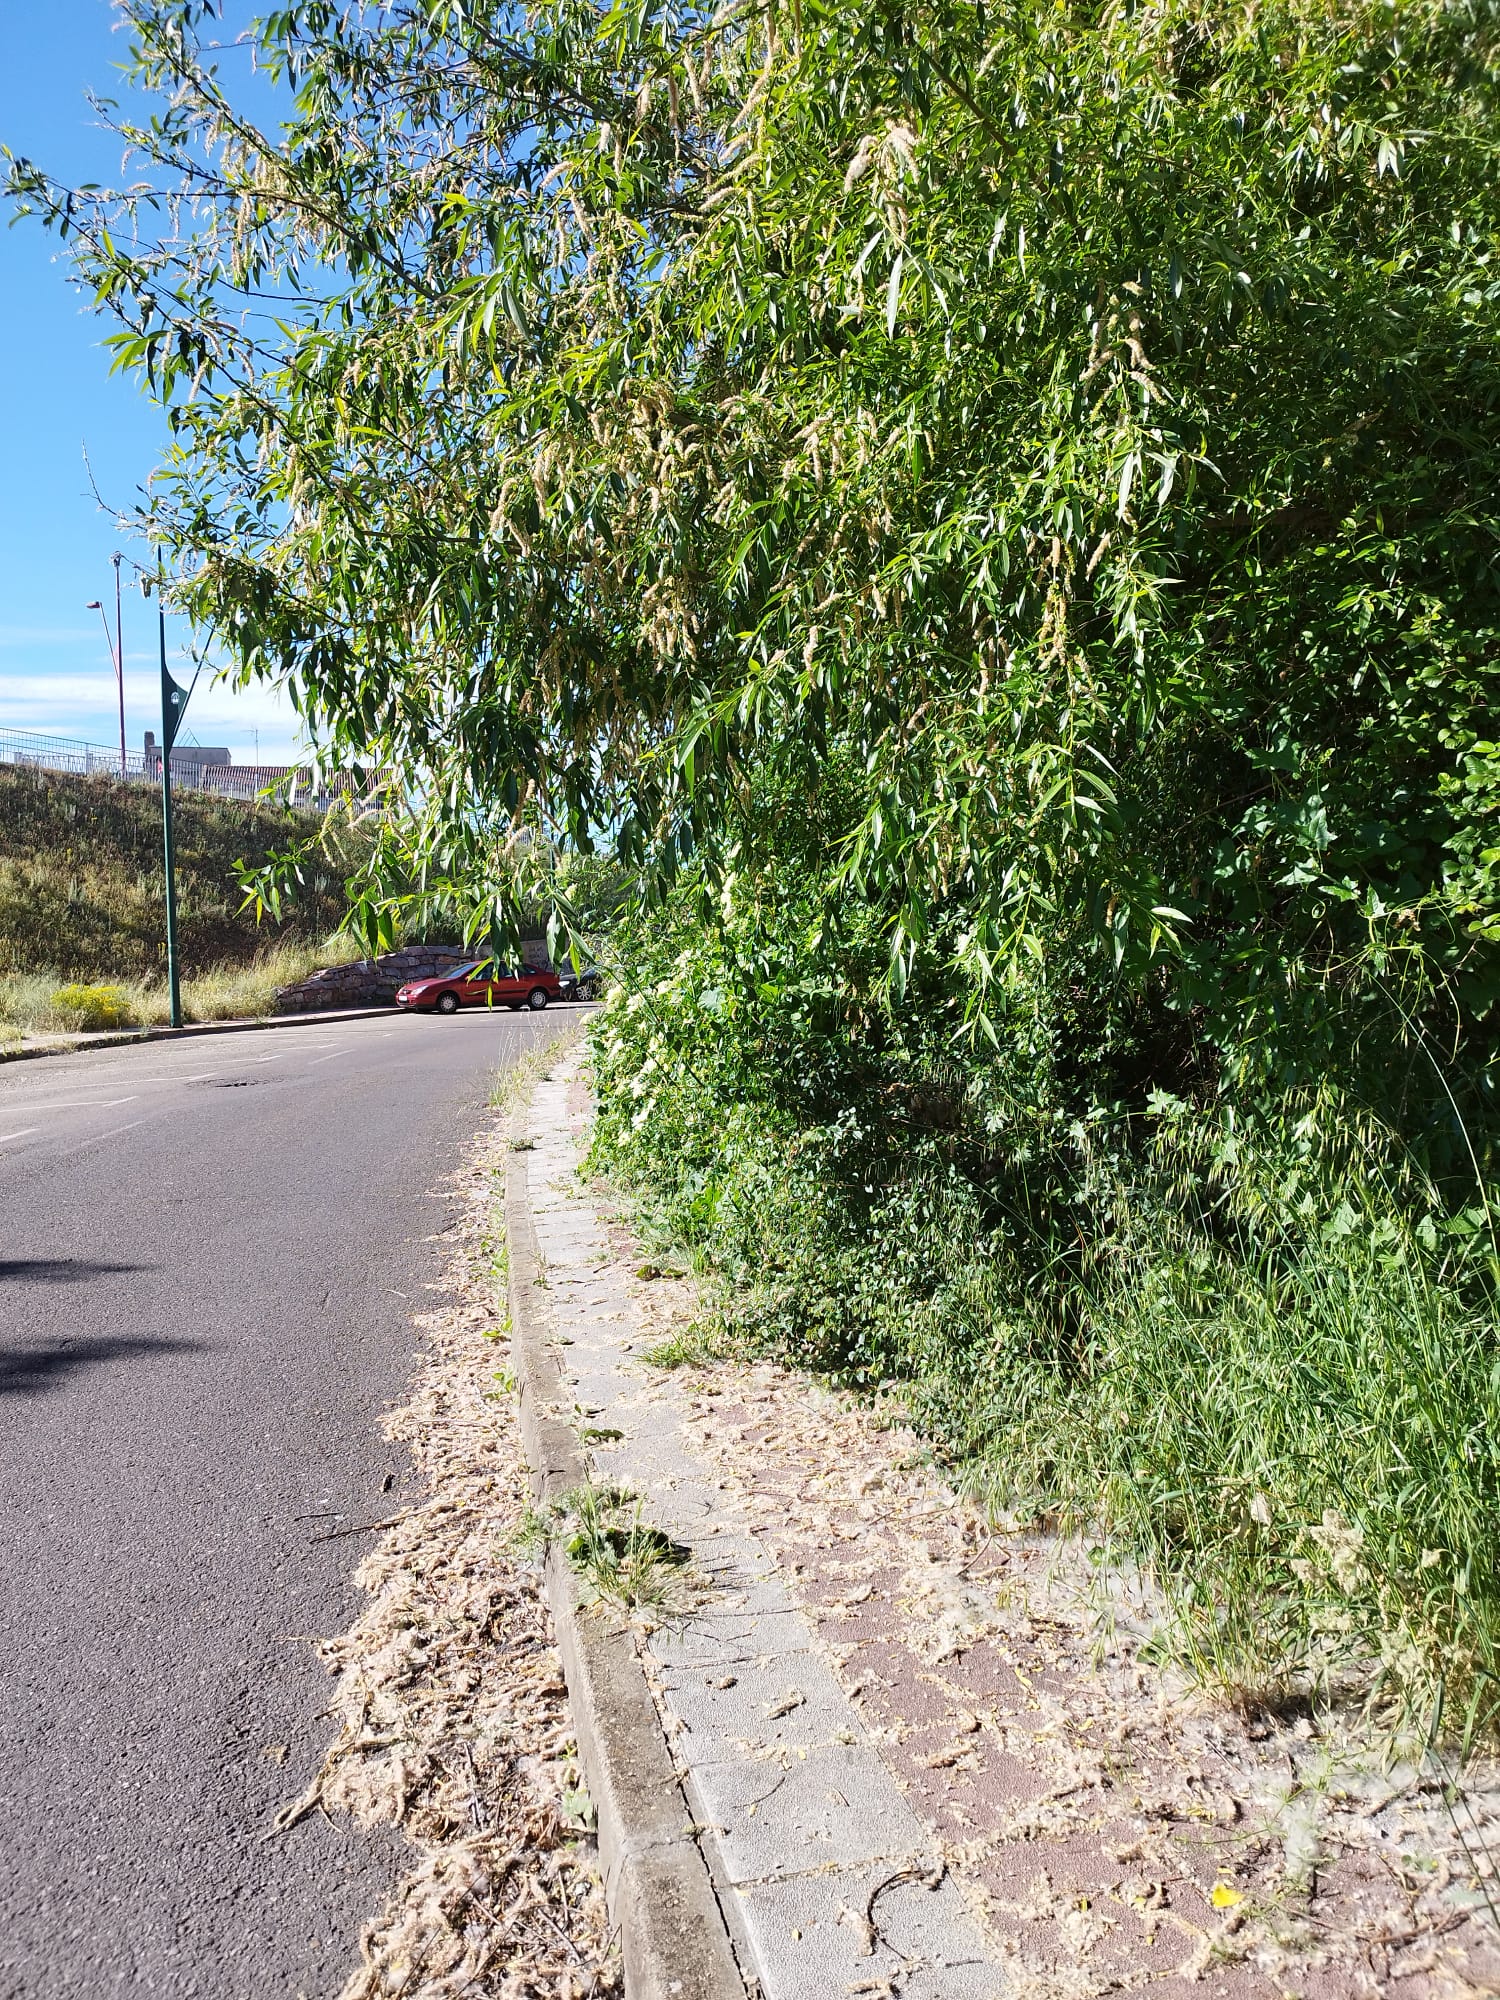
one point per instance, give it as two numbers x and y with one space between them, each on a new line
81 884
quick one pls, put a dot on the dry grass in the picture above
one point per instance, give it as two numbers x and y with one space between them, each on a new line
235 992
42 1003
81 887
452 1711
513 1085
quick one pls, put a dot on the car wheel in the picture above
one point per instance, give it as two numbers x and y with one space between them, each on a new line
447 1003
536 999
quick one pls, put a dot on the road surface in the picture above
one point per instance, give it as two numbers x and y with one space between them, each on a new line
210 1251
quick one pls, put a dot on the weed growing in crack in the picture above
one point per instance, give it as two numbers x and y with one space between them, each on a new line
497 1250
697 1345
578 1809
624 1559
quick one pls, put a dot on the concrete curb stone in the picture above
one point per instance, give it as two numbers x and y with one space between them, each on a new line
74 1045
674 1937
325 1017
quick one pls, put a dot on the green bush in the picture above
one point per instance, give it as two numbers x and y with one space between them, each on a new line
86 1009
1259 1355
1012 537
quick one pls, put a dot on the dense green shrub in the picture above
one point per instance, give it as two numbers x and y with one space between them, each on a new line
1271 1370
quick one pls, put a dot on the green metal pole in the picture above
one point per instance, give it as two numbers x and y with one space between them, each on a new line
169 730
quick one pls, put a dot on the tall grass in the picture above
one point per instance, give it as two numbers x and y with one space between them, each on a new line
1300 1440
82 890
231 992
40 1003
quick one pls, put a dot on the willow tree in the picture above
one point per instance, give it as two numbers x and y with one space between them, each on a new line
1078 423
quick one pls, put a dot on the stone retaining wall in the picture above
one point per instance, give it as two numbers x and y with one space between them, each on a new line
368 982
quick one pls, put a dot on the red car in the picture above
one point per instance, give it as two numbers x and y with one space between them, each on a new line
481 984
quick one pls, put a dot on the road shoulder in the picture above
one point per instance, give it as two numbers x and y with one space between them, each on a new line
449 1697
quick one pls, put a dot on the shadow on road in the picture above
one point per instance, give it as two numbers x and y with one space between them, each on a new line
32 1371
61 1270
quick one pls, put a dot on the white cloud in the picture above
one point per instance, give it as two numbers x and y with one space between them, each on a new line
83 705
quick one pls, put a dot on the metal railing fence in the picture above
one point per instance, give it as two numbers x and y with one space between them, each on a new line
291 783
64 753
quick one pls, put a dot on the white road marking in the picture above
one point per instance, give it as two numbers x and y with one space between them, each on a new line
24 1133
77 1103
328 1058
99 1139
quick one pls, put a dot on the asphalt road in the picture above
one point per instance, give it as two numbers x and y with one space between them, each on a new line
209 1254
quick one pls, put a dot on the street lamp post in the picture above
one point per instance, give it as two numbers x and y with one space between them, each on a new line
174 701
119 659
116 650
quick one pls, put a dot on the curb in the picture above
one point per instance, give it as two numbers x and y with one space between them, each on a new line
73 1048
81 1046
269 1021
674 1939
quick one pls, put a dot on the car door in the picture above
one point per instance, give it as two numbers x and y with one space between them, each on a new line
472 984
500 986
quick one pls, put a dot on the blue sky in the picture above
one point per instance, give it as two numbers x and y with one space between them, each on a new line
56 397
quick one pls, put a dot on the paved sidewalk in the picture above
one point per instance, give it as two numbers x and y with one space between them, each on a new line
826 1875
932 1758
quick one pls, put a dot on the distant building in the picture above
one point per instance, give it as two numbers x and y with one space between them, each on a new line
210 768
189 759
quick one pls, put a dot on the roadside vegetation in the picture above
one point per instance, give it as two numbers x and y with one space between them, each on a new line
621 1556
994 512
1244 1346
82 901
39 1003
